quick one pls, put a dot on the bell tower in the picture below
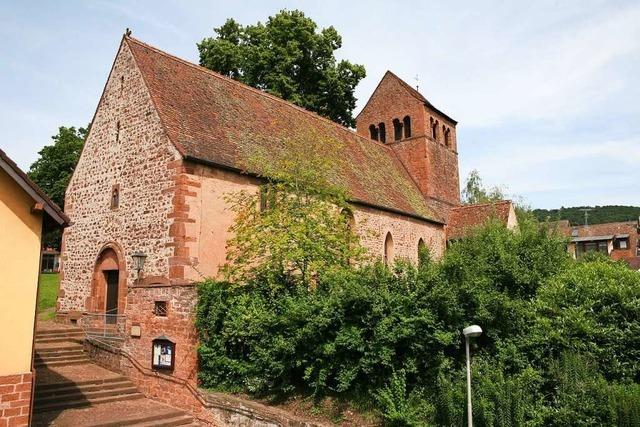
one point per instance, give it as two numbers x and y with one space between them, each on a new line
423 137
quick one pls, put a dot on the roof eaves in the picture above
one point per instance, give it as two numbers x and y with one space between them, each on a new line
32 189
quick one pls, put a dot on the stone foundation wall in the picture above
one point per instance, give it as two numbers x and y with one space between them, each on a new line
15 400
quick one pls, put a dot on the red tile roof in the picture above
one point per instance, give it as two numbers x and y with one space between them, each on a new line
216 120
463 219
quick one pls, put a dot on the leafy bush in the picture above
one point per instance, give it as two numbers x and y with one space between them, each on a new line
560 346
594 308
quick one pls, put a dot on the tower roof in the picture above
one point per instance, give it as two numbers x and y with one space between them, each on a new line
215 120
413 92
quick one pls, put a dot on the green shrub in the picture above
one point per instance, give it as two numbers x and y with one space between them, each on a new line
561 344
401 408
593 308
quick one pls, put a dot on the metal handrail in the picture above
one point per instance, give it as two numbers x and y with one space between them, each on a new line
105 328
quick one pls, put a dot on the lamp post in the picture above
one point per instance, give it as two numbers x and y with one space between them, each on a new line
470 332
138 262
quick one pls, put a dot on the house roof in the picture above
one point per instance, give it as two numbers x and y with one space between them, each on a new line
465 218
594 231
413 92
218 121
30 187
593 238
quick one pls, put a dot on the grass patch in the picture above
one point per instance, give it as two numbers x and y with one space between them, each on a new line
49 284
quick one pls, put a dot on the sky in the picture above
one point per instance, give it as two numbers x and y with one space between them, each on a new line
546 93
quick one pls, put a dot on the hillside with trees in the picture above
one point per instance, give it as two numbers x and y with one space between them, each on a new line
598 214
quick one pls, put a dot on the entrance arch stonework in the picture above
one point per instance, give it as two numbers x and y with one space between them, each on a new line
109 282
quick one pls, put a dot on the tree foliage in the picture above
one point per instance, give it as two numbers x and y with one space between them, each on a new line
298 225
54 168
289 58
597 215
475 192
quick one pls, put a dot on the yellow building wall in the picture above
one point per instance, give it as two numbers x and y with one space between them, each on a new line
20 232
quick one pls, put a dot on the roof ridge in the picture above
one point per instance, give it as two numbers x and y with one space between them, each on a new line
252 89
475 205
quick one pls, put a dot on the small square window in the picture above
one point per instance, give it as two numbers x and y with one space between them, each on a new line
160 308
623 244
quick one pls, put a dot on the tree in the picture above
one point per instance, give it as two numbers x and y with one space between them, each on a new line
298 225
288 58
475 192
53 169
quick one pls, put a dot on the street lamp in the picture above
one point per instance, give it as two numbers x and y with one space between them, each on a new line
470 332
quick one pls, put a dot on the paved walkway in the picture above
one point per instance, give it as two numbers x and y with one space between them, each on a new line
72 391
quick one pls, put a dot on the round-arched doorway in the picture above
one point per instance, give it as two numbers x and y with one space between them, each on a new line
108 292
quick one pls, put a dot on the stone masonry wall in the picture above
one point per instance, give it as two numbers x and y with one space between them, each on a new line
15 400
373 226
211 227
126 147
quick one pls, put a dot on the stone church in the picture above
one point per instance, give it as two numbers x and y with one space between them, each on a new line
168 140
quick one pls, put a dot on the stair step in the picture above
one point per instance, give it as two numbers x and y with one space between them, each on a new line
62 363
45 350
58 331
177 421
55 386
86 402
59 354
86 395
82 389
46 340
166 419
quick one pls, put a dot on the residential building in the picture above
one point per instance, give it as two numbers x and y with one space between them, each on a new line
24 211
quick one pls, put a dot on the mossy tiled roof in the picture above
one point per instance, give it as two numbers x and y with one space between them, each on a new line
217 120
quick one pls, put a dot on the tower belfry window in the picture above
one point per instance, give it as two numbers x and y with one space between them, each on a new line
434 129
407 126
447 137
373 131
397 130
382 133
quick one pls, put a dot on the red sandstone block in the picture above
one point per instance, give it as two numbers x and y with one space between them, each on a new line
22 420
11 379
11 412
10 397
22 387
19 403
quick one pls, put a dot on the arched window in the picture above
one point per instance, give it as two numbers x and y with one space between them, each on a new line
118 131
373 131
388 250
115 197
423 252
447 137
407 126
383 133
121 85
349 220
397 130
434 129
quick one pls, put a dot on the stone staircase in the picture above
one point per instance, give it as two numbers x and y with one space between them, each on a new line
72 391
